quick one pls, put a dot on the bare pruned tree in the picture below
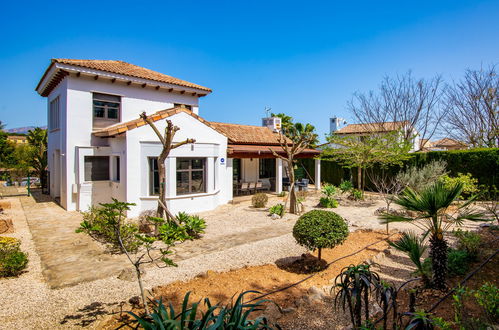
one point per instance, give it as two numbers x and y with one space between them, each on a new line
401 99
166 140
472 104
388 186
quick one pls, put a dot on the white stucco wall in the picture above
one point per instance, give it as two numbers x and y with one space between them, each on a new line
142 143
76 125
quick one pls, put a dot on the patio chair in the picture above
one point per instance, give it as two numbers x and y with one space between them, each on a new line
259 186
304 184
244 187
252 187
237 188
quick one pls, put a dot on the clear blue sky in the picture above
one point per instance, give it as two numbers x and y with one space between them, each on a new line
303 58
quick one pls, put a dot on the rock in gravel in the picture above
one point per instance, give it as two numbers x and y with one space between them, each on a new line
275 216
272 313
288 310
134 301
315 294
128 274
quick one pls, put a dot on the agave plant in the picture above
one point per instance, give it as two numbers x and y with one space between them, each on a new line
191 317
355 283
414 247
431 206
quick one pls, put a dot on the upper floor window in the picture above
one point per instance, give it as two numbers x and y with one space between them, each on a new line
181 105
54 114
106 109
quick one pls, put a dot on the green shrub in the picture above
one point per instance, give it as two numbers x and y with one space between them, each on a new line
488 297
329 190
470 184
468 241
193 224
318 229
237 315
458 262
282 194
12 259
277 209
259 200
346 186
328 202
418 178
100 223
356 194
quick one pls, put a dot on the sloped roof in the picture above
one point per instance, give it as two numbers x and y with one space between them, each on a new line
372 127
123 68
247 134
447 142
120 128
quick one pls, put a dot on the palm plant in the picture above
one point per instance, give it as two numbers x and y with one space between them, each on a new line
37 138
414 247
430 207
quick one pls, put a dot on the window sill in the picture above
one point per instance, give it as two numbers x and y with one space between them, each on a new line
181 196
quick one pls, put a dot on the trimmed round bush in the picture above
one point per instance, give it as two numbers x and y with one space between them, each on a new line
259 200
318 229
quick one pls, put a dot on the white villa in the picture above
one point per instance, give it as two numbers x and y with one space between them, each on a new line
99 148
338 127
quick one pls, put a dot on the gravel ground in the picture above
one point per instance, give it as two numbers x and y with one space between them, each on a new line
27 302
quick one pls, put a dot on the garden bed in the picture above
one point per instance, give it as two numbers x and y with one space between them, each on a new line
221 287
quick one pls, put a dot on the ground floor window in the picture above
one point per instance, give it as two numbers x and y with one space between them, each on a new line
153 176
191 175
267 168
96 168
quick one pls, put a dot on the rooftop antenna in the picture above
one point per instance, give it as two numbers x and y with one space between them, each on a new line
267 111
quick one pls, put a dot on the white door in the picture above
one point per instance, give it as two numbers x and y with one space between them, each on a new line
55 174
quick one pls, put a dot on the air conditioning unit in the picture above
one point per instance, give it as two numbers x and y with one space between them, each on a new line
273 123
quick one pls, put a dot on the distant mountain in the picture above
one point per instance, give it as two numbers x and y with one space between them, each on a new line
22 130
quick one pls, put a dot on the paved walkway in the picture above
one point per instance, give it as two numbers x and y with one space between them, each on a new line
67 258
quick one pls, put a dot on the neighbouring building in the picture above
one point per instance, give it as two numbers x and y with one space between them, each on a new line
99 148
442 145
18 139
338 126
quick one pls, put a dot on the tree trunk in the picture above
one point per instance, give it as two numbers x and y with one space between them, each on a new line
359 178
320 254
141 287
292 194
438 255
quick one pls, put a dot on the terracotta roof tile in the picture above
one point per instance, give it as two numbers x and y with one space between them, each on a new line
247 134
120 128
127 69
372 127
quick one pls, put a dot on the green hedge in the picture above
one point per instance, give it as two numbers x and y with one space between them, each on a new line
483 164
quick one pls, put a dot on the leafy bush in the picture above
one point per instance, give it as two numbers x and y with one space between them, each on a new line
259 200
356 194
281 194
419 178
99 222
277 209
319 229
470 184
488 297
468 241
233 316
346 186
457 262
328 202
193 224
12 259
328 190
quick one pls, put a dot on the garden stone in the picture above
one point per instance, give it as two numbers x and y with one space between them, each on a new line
272 313
129 275
288 310
485 225
275 216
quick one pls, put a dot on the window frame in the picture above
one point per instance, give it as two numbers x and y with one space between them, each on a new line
190 170
91 179
151 171
106 108
54 120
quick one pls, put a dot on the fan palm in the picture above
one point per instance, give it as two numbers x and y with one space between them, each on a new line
431 206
